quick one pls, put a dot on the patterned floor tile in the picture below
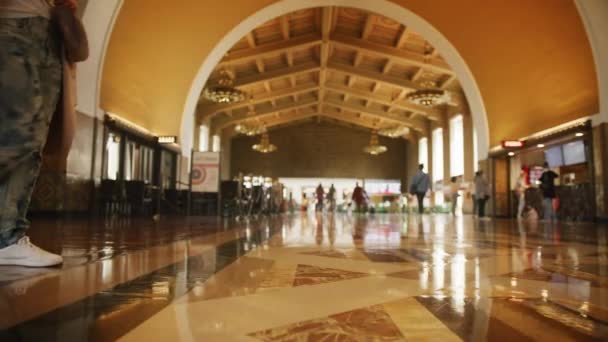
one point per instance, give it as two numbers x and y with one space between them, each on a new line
313 275
368 324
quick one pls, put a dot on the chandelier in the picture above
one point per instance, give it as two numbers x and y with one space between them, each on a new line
250 129
224 91
429 95
374 148
264 146
394 131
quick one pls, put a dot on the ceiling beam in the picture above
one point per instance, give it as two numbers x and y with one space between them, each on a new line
349 118
212 109
220 123
403 36
418 74
375 113
251 39
389 80
447 82
277 74
284 27
431 113
288 119
326 20
380 50
259 63
369 25
270 49
387 66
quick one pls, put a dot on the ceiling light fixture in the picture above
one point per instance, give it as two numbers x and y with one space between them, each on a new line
264 146
429 95
579 134
250 129
511 154
394 131
540 145
374 148
224 91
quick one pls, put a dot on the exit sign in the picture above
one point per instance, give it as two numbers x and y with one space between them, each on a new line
512 143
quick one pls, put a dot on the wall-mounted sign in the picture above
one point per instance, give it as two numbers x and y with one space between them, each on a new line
512 143
167 139
205 171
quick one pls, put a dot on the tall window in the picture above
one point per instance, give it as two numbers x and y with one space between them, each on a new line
423 152
456 146
203 138
112 156
216 143
475 153
437 154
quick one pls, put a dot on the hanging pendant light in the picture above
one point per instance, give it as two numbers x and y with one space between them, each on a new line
250 129
224 91
264 146
374 148
394 131
429 95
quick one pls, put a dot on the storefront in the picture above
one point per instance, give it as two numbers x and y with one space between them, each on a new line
137 165
568 152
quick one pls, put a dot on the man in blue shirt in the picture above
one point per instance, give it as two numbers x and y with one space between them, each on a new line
420 186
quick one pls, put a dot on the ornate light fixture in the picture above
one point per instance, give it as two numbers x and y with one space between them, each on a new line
250 129
394 131
374 148
429 95
224 91
264 146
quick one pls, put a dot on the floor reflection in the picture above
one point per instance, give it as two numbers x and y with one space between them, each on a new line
313 276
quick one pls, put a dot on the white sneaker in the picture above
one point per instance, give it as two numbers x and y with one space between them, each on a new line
25 253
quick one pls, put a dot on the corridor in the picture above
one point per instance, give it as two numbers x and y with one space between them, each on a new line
316 277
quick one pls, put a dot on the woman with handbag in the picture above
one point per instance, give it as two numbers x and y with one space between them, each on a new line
40 40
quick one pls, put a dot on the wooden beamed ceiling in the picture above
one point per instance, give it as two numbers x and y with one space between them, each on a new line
343 64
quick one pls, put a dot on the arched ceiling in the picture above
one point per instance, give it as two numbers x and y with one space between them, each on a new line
337 63
531 59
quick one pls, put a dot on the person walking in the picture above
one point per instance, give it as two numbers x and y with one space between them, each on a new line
358 197
33 71
453 191
420 186
331 198
320 197
547 185
482 194
520 192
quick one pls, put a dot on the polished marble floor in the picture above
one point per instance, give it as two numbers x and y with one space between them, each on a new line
318 277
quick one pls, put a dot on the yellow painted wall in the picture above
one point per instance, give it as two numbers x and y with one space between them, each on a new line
531 59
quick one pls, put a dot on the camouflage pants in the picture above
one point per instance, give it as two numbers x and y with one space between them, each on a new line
30 82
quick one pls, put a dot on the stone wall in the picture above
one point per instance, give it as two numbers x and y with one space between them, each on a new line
320 150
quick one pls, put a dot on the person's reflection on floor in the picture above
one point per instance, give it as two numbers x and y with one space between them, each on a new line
331 229
359 228
319 231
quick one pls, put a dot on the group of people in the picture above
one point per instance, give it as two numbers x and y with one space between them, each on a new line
421 185
547 187
321 197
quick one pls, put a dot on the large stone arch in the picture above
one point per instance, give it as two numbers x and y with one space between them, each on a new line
382 7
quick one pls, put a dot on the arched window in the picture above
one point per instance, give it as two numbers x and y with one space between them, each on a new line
423 152
203 138
437 154
456 146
